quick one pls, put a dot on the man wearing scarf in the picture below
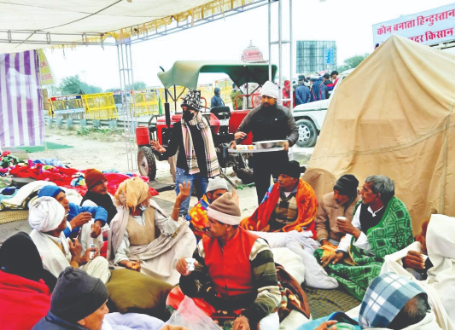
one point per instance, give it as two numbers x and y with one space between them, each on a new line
143 238
267 122
48 220
235 271
381 226
97 194
192 138
338 203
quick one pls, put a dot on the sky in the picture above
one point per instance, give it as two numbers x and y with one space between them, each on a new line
348 22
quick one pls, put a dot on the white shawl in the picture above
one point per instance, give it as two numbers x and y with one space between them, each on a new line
53 259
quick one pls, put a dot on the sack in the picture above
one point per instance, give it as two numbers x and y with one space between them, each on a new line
133 292
191 317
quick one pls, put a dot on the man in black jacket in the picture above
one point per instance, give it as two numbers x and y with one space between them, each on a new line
192 138
267 122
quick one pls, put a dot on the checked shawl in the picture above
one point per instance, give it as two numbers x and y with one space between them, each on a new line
213 167
393 233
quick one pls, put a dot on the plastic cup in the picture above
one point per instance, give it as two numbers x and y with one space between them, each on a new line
190 262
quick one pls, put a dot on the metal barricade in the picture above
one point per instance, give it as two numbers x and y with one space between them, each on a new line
70 106
100 106
225 86
146 102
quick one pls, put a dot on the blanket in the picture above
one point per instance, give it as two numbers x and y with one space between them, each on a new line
393 233
307 207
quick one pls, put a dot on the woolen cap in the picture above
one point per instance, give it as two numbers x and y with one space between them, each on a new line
192 100
225 209
92 177
50 191
77 295
347 185
216 183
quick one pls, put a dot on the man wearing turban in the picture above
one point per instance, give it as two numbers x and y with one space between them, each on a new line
267 122
143 238
48 220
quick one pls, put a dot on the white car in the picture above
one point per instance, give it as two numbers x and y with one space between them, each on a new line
309 117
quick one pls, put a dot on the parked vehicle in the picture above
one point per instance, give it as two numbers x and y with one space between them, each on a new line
309 117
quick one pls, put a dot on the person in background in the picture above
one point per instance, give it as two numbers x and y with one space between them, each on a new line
328 84
302 92
197 216
216 101
269 121
334 77
236 98
318 89
25 285
338 203
287 94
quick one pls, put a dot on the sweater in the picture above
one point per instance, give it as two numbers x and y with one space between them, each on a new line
23 302
302 95
98 213
52 322
264 295
270 123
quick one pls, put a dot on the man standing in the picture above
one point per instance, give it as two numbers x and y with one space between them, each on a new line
381 226
217 101
235 270
268 121
302 92
192 139
289 204
334 77
338 203
328 84
318 89
97 194
197 216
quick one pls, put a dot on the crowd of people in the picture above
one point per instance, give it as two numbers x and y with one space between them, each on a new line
357 237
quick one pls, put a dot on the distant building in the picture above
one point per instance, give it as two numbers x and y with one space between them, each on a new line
310 55
252 54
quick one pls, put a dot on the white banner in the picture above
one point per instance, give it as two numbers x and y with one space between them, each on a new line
428 27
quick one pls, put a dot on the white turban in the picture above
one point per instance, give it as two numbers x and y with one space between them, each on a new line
269 89
46 214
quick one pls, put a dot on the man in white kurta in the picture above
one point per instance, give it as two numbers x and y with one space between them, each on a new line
48 220
143 238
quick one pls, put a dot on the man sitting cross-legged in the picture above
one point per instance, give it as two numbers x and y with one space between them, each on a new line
197 216
289 204
48 220
235 270
381 226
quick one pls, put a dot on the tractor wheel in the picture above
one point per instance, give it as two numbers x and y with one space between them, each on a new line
308 133
146 162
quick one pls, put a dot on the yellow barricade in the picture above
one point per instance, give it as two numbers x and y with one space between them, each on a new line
100 106
145 102
225 86
180 91
67 106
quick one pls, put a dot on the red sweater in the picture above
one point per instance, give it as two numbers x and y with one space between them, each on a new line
229 267
23 302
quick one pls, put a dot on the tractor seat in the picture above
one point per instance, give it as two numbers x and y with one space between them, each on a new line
222 113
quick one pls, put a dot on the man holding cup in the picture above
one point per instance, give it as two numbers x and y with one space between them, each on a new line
234 271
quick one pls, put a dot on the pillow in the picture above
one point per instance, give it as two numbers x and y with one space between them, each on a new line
133 292
291 261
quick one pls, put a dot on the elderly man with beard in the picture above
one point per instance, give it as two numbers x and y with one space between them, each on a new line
267 122
48 220
194 144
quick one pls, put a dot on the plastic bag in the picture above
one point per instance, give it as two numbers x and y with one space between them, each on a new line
190 316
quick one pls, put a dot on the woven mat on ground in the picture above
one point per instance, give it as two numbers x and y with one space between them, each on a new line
10 216
325 302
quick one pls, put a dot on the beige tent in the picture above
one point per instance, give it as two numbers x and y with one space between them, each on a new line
394 116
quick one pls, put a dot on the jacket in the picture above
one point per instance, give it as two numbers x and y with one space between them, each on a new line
326 218
98 213
52 322
270 123
318 91
23 302
302 95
